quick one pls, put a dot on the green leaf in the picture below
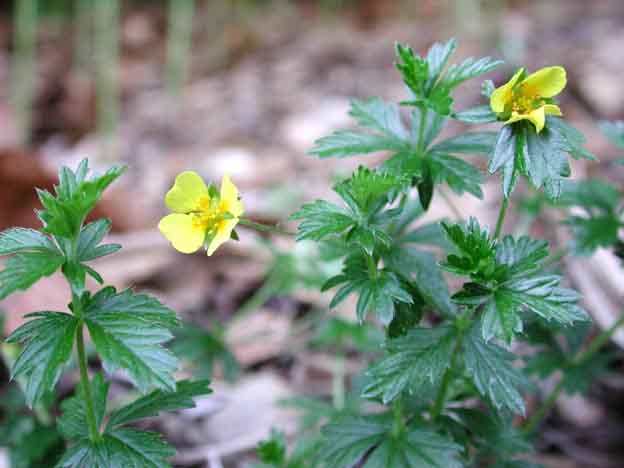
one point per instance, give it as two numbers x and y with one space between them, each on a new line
438 56
476 250
76 196
128 330
19 240
73 422
426 185
119 448
478 143
204 349
504 156
23 270
378 290
614 131
468 69
321 219
476 115
460 175
273 450
352 438
90 237
159 400
490 368
420 269
419 358
381 130
49 339
367 191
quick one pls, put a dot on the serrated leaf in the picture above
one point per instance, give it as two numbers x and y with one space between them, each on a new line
351 438
468 69
421 270
17 240
119 448
490 368
378 291
459 175
476 115
381 130
49 339
128 330
23 270
321 219
420 357
478 143
76 196
73 422
159 400
438 56
90 237
476 250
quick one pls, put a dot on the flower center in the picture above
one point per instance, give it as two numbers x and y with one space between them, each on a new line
523 104
207 215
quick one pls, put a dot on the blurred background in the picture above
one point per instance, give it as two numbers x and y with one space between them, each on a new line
244 87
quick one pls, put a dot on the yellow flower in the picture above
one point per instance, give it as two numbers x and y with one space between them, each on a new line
202 217
529 97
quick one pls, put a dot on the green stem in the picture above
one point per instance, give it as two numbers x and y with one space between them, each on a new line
501 217
397 411
338 384
264 227
94 433
595 346
421 130
440 400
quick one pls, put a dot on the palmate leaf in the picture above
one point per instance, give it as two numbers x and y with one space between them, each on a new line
91 235
48 341
23 270
478 143
128 330
348 440
476 115
460 176
378 291
159 400
490 368
541 157
119 446
381 129
420 269
321 219
19 240
419 358
476 251
75 196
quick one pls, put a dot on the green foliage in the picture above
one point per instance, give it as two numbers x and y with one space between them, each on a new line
541 157
418 359
506 281
127 329
349 439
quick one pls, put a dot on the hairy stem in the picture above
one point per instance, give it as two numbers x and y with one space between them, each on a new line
595 346
338 381
264 227
501 217
421 130
94 433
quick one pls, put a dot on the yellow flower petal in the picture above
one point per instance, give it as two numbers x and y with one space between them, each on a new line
552 109
537 118
224 232
184 196
502 95
182 233
229 198
547 82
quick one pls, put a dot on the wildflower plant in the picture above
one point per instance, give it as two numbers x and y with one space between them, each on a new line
448 381
127 330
